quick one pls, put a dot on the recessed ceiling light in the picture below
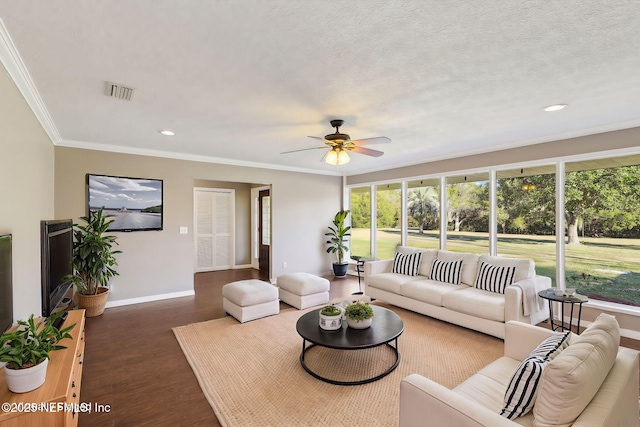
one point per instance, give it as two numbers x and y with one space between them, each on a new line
167 132
555 107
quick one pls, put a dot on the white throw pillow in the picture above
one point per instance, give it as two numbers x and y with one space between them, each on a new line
523 387
448 272
493 278
406 264
469 264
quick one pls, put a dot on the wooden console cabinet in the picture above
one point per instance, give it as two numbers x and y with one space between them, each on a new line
56 402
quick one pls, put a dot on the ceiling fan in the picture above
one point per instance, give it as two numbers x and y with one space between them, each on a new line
340 143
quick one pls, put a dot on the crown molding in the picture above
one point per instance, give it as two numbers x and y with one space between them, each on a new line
12 62
183 156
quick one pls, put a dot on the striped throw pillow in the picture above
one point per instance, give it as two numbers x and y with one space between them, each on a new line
408 264
521 392
494 279
448 272
552 346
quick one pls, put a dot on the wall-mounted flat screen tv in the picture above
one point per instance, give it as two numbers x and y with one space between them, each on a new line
134 203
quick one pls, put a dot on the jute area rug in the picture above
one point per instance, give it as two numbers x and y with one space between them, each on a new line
251 375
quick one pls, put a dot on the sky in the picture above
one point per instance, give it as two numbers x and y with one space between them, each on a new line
117 192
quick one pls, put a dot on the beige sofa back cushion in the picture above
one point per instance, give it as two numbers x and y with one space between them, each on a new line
525 268
469 265
570 381
428 255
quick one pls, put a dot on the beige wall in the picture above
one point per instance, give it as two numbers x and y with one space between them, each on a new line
607 141
26 192
162 262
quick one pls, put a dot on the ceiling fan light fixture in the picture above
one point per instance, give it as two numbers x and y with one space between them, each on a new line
343 157
555 107
332 157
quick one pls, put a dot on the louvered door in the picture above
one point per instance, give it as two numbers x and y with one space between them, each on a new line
214 223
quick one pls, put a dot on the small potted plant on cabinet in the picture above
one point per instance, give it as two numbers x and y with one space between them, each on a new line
359 315
26 352
93 262
336 243
331 317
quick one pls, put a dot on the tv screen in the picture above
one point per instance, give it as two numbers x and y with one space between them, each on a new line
56 253
134 203
6 284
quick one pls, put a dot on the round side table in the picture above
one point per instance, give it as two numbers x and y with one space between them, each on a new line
564 299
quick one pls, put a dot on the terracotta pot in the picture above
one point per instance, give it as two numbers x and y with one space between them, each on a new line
25 380
94 304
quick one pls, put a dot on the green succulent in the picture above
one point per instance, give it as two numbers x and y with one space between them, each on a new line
359 311
330 310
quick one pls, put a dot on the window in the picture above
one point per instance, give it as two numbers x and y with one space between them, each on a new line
526 216
388 219
423 213
602 211
361 221
468 213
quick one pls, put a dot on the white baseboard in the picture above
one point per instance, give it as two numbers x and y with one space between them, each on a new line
149 298
237 267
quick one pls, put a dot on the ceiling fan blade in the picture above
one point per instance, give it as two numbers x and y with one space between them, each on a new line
317 137
367 151
304 149
370 141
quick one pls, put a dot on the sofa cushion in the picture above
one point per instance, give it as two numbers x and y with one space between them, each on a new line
552 346
476 302
521 391
447 272
428 255
390 282
469 265
405 250
525 268
573 378
493 278
428 291
488 385
406 263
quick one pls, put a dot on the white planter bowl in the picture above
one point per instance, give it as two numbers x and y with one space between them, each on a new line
330 323
25 380
359 324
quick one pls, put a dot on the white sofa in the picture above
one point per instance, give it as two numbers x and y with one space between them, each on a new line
592 382
461 304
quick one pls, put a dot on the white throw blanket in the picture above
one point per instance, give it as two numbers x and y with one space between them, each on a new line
532 305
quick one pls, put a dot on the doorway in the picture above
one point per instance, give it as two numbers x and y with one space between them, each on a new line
261 228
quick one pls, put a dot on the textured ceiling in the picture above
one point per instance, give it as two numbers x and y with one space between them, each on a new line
246 80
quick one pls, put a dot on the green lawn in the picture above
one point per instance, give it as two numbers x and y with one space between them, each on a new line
601 268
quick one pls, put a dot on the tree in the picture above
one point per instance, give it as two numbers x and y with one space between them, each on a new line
464 203
423 204
360 210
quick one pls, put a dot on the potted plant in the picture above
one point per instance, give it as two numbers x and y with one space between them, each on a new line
93 261
331 317
359 315
336 243
26 352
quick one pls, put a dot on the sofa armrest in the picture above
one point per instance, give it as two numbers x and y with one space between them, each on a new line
425 403
513 309
377 267
521 338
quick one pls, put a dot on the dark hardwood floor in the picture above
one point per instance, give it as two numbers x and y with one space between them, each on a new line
134 364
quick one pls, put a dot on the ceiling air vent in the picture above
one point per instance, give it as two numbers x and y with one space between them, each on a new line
120 91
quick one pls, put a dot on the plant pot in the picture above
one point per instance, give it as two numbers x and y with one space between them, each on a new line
340 270
359 324
28 379
331 323
94 304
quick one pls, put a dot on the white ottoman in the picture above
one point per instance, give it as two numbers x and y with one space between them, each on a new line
303 290
250 299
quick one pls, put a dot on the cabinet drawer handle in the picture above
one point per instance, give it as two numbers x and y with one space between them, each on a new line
74 395
73 384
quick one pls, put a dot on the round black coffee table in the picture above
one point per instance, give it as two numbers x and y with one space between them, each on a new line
385 328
